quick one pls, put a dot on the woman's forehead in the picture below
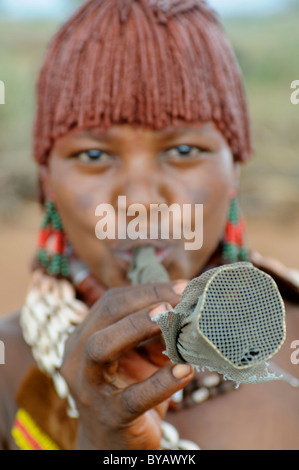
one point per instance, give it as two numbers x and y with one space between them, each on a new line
179 128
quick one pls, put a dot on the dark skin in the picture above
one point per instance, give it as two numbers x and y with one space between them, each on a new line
206 175
122 389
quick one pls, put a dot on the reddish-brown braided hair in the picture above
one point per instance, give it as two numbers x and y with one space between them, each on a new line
145 62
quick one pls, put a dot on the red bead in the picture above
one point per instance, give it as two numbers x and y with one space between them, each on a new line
59 242
43 237
232 235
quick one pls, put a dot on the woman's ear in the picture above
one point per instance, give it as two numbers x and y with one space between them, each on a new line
45 183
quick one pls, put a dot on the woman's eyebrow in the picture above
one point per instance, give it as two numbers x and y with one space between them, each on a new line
163 134
178 132
92 135
170 134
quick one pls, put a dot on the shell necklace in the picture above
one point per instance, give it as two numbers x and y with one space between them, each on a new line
50 314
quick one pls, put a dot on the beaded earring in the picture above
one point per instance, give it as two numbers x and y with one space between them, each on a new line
52 243
235 239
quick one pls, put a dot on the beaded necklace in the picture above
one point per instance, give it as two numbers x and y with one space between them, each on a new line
50 314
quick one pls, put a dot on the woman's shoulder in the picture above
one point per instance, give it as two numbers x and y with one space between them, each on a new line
287 279
16 357
11 337
16 353
9 325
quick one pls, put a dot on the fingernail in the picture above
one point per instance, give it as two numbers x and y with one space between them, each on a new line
181 370
179 286
160 309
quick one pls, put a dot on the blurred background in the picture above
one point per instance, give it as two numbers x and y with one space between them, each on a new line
265 35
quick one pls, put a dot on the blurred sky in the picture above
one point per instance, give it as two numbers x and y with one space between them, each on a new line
59 8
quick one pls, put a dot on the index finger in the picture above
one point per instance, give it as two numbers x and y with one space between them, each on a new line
143 396
121 301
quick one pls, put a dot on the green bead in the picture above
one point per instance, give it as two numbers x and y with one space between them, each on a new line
230 253
234 212
244 254
57 222
43 257
65 271
56 264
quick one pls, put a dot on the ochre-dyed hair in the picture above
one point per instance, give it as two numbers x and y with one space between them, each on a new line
145 62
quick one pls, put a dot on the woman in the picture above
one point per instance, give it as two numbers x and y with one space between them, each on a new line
141 99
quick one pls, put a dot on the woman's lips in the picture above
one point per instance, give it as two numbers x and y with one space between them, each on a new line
127 255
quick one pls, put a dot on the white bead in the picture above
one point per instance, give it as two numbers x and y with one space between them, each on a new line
80 308
44 342
60 345
51 300
40 312
52 332
170 437
72 410
177 397
56 293
47 285
184 444
71 329
55 322
33 297
200 395
211 380
72 413
60 385
67 291
37 357
63 337
31 328
63 319
27 336
54 358
26 315
47 365
72 315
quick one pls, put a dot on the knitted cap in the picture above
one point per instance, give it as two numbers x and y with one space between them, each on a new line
146 62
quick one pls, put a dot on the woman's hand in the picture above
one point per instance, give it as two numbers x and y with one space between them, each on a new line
116 373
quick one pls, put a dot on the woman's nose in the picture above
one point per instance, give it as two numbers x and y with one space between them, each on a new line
144 191
143 184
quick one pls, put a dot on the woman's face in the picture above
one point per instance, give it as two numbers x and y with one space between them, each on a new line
188 163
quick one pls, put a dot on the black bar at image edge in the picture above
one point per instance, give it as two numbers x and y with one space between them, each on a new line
129 459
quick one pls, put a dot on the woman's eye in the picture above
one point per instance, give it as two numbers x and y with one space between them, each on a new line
185 151
89 156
